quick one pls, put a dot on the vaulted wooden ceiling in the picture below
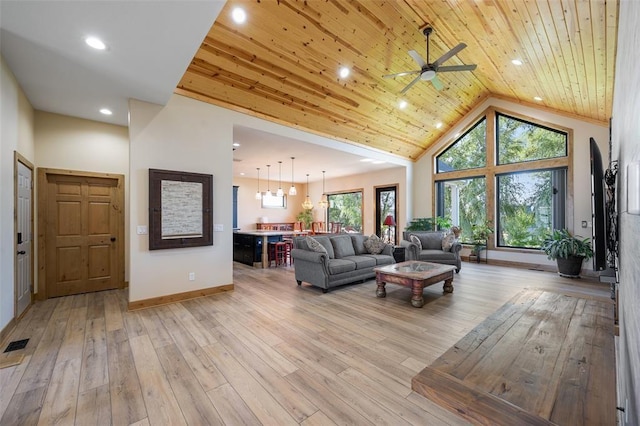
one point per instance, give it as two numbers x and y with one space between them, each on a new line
282 64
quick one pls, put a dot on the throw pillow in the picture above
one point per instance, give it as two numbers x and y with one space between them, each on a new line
314 245
374 244
447 241
414 239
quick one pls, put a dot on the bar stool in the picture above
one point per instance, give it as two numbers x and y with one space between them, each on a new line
278 253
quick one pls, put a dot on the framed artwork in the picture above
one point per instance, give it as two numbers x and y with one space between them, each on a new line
274 202
180 209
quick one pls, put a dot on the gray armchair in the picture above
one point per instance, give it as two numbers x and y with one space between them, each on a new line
432 250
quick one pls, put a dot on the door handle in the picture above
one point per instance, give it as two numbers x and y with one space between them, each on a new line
113 239
22 252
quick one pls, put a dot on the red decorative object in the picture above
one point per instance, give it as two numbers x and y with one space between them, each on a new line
389 221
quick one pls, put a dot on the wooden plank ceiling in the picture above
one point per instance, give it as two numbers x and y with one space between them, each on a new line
282 63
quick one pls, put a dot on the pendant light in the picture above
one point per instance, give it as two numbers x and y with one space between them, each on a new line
258 194
268 194
292 190
323 203
307 204
280 192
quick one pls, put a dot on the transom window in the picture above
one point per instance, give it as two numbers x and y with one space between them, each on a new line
517 180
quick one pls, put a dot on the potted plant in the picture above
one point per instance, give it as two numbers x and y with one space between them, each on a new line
306 217
428 224
479 235
569 251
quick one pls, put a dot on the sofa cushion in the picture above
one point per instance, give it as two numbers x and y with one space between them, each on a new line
374 244
326 243
416 241
362 262
342 246
435 255
358 243
431 240
382 259
314 245
339 266
447 241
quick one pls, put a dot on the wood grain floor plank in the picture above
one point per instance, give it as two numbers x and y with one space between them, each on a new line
73 340
231 407
112 311
9 379
127 404
95 363
24 407
200 334
318 419
159 397
94 407
59 405
261 403
155 329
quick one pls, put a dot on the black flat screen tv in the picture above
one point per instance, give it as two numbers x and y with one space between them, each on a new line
598 210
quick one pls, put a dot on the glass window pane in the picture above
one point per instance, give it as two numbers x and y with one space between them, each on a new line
520 141
464 201
528 205
346 208
468 152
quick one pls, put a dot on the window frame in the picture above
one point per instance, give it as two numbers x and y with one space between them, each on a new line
492 168
346 191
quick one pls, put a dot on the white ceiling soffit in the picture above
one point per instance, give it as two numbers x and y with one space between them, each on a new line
149 46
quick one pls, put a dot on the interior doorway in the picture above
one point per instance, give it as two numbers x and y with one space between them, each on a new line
81 223
23 199
387 213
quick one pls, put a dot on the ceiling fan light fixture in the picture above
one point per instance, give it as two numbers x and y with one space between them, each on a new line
427 75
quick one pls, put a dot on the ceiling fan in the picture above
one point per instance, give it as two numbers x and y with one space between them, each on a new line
428 70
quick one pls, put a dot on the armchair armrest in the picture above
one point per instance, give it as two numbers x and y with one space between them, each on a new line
456 247
411 250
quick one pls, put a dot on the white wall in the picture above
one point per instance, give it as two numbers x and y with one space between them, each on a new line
16 124
626 149
582 131
185 135
63 142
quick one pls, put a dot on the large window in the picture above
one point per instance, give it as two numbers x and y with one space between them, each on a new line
516 180
346 208
468 152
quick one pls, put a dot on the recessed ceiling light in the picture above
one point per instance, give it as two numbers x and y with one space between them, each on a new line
366 160
105 111
516 62
403 104
95 42
236 144
537 98
344 72
438 125
239 15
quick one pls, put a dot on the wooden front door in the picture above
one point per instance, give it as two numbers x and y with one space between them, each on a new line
83 229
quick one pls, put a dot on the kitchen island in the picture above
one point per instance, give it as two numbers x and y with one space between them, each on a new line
250 247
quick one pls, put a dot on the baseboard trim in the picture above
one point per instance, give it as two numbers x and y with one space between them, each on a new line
178 297
584 273
6 331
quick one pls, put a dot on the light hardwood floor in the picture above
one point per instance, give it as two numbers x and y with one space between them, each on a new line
269 352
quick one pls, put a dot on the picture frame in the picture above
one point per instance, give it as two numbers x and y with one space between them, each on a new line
274 202
180 209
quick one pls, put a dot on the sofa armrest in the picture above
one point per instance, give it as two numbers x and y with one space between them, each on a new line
309 256
411 250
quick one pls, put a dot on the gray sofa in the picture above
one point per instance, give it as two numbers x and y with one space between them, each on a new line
347 260
431 248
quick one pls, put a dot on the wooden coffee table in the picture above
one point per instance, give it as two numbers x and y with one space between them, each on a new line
415 275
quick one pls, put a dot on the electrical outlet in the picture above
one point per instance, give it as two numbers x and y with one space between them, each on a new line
218 227
141 230
192 276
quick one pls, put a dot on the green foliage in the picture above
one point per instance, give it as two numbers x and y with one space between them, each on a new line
467 152
428 224
306 217
480 233
561 244
346 208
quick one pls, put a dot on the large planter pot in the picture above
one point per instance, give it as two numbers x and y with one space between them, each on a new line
570 267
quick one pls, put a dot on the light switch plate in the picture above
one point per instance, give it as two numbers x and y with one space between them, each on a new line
218 227
142 230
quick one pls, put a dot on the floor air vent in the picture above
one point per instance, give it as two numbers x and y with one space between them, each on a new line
17 345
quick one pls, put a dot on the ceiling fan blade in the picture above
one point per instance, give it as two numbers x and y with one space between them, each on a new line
408 86
437 84
449 54
416 57
400 74
457 68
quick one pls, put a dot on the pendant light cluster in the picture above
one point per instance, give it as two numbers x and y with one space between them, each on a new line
307 204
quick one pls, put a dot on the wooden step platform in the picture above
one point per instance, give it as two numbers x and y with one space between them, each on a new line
542 358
